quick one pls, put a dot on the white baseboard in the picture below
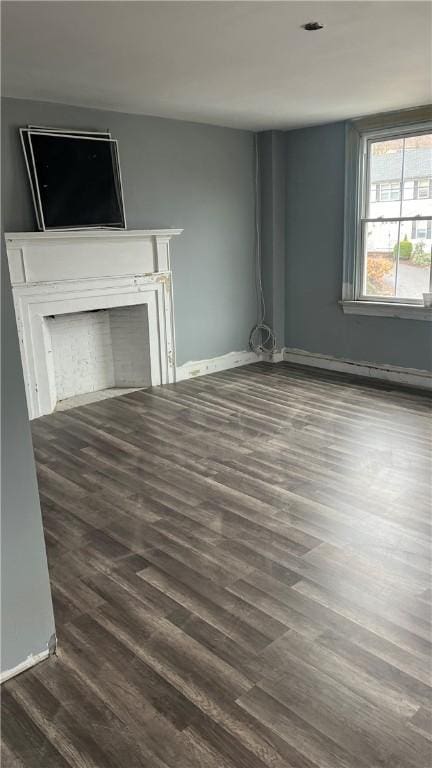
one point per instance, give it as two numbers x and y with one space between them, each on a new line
276 357
30 661
200 367
411 377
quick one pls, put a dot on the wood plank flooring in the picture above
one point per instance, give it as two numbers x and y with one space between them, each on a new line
240 567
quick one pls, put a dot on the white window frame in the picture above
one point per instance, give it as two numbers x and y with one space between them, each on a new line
354 301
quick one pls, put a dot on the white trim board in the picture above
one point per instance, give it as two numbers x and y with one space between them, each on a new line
214 364
382 309
411 377
30 661
18 239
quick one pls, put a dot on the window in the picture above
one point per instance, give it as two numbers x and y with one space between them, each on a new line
387 191
422 188
388 211
421 230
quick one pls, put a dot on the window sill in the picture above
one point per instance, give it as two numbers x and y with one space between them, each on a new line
404 311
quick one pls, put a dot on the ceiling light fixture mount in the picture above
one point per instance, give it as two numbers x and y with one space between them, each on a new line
312 26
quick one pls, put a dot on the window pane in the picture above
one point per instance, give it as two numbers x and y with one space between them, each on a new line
385 192
417 174
420 229
381 247
406 277
408 189
395 189
385 172
423 189
415 262
397 164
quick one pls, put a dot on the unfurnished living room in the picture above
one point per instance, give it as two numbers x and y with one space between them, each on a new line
216 384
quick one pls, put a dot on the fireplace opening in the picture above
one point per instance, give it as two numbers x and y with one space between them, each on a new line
99 354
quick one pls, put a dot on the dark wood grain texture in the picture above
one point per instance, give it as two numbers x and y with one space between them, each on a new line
240 567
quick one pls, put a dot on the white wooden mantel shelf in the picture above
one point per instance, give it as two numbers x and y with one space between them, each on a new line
98 234
77 254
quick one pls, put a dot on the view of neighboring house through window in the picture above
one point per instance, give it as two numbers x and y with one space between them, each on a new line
396 217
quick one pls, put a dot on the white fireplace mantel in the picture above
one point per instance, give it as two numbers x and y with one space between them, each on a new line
55 273
76 254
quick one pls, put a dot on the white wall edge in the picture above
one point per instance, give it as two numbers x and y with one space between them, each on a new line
214 364
30 661
411 377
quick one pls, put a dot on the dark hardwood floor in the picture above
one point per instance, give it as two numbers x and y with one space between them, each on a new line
240 567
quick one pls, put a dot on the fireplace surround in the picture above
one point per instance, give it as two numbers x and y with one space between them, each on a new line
72 293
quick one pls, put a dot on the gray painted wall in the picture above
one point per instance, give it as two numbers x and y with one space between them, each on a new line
27 620
315 163
271 146
175 174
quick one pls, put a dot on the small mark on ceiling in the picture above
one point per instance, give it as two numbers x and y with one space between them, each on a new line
313 26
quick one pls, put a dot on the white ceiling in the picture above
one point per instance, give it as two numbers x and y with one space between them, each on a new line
241 64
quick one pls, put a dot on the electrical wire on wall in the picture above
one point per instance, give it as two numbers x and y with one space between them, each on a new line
261 339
